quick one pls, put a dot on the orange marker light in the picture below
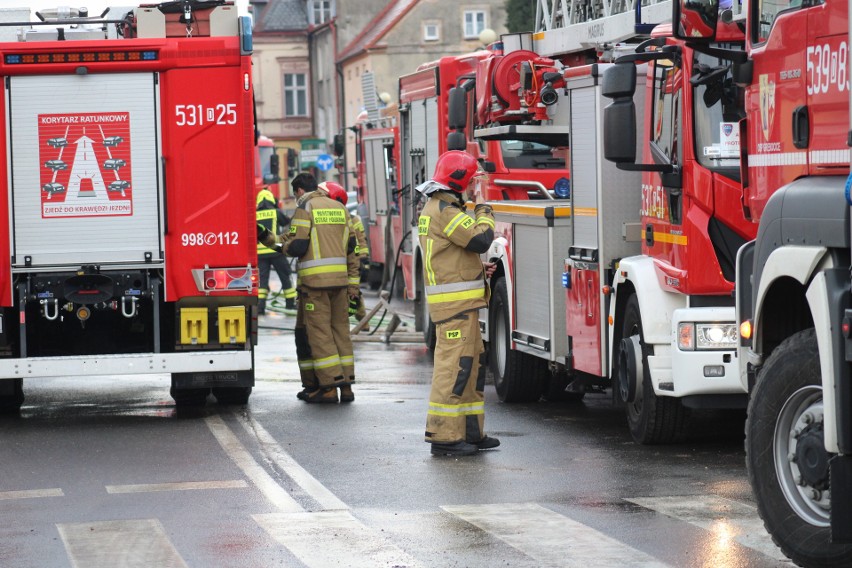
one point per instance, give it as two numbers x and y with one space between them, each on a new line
746 329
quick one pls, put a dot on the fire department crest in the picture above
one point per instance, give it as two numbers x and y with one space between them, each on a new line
727 129
767 105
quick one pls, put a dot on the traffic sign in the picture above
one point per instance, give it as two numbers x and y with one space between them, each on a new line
325 162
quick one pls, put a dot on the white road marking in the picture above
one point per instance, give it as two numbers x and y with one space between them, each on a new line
550 538
326 499
130 544
276 494
333 538
726 519
177 486
31 494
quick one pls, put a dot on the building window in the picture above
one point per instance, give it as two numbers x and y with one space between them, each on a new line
431 31
474 22
320 11
295 95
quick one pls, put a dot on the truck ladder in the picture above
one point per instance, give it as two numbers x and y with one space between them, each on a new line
567 26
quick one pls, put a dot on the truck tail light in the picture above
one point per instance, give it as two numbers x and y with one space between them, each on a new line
225 279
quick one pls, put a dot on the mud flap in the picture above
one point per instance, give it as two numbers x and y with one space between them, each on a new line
841 499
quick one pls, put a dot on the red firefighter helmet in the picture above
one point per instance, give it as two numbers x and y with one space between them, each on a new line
335 191
455 169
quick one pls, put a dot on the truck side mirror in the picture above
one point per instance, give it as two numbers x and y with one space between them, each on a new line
339 145
274 169
620 131
456 141
619 84
695 20
619 81
457 108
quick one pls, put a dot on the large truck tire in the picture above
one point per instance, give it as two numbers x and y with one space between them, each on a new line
232 395
11 396
788 470
652 419
189 397
518 377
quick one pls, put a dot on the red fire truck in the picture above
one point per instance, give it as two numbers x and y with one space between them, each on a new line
128 217
394 153
266 166
629 284
376 159
793 281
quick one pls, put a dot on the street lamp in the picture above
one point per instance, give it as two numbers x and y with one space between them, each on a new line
487 37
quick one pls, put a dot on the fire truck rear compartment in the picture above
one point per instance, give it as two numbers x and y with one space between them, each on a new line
94 313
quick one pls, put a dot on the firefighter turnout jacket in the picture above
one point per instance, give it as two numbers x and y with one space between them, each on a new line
357 227
270 217
320 238
452 242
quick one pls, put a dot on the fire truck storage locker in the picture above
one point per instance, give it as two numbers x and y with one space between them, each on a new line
376 174
603 200
541 237
81 116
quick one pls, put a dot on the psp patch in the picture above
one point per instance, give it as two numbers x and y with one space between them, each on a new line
454 334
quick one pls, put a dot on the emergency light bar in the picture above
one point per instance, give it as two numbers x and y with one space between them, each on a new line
80 57
242 278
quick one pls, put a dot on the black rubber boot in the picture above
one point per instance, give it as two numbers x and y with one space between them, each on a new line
457 449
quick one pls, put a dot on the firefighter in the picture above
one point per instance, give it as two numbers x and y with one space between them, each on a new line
455 291
319 237
356 228
271 217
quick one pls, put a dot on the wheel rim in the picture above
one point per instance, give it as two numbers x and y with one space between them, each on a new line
635 408
499 343
798 462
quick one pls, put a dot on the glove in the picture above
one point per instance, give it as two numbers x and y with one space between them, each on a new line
265 236
482 209
354 303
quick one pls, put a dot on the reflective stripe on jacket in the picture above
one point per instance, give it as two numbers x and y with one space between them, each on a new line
452 241
319 237
357 228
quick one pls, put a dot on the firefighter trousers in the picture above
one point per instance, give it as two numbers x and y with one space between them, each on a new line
326 315
457 401
303 348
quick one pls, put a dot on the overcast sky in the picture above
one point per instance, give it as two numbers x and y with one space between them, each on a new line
94 6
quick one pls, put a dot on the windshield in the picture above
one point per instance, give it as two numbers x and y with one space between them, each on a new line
716 116
531 155
263 154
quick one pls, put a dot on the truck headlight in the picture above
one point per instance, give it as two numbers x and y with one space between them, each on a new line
706 336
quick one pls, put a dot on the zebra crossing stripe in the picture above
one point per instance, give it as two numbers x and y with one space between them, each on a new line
333 538
309 484
550 538
30 494
724 518
276 494
176 486
130 544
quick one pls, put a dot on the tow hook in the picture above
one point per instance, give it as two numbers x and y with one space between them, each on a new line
45 306
130 311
